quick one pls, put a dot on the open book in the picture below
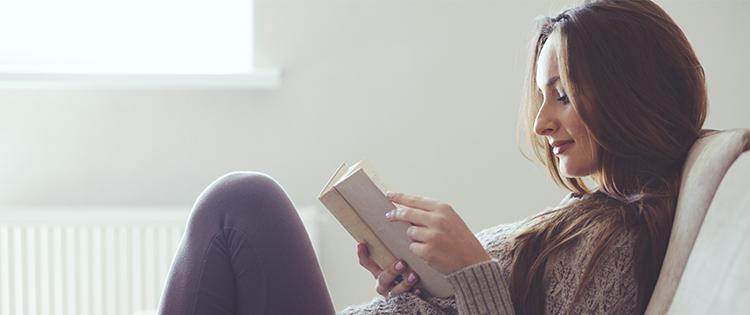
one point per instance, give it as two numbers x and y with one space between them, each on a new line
356 197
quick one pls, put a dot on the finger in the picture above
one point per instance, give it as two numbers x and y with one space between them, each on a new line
385 279
410 279
366 261
411 215
413 201
419 249
419 233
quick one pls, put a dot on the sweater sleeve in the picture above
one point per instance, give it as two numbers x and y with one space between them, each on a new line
493 239
481 289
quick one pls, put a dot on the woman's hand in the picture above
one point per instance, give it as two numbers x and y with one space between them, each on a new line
384 284
439 235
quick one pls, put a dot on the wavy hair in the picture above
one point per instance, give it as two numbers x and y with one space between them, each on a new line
634 79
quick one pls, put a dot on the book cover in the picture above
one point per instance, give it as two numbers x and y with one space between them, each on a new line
356 198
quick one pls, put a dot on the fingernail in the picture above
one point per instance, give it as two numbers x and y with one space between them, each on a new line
389 214
412 278
399 266
417 291
390 194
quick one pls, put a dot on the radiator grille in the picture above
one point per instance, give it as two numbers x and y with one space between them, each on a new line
92 261
104 262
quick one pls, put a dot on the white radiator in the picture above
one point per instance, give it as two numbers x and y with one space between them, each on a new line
92 261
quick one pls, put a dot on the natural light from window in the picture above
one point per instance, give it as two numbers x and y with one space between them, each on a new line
126 37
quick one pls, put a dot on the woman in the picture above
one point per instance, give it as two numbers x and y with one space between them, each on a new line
614 93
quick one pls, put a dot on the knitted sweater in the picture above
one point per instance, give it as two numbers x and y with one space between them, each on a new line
483 288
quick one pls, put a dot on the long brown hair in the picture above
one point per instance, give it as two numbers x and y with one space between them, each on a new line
632 76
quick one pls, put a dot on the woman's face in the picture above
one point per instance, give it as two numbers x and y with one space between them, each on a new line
558 122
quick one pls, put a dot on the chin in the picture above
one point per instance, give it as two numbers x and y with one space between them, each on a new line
570 175
573 171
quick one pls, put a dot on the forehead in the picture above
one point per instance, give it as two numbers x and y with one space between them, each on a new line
546 66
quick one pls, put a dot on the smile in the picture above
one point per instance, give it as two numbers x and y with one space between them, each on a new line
562 147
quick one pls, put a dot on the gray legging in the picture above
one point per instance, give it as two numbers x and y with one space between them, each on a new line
245 251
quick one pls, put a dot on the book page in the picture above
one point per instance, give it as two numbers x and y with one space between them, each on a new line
337 175
369 170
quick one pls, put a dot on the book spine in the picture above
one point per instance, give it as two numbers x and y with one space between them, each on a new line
344 213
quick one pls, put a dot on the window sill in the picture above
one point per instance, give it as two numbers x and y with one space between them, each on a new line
260 79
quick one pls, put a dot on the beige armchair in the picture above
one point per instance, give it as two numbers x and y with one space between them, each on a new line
707 266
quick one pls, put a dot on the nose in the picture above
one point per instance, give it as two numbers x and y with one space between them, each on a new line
545 122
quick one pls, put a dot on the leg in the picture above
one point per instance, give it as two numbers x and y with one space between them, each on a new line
245 251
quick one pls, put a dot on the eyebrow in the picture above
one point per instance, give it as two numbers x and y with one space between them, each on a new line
551 81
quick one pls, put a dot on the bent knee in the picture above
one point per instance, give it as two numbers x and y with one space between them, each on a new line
241 190
246 180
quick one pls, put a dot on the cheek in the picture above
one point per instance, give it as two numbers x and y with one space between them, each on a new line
583 159
588 147
591 154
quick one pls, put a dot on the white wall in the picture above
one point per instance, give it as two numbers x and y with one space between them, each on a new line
426 90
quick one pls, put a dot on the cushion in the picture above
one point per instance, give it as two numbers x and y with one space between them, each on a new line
707 162
716 279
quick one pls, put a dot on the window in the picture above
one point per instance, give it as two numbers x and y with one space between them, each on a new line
128 41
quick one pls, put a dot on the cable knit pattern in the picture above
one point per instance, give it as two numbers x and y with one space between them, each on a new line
483 288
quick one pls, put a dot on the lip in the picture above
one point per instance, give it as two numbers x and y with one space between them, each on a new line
559 147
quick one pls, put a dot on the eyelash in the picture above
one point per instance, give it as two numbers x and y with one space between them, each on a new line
563 99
